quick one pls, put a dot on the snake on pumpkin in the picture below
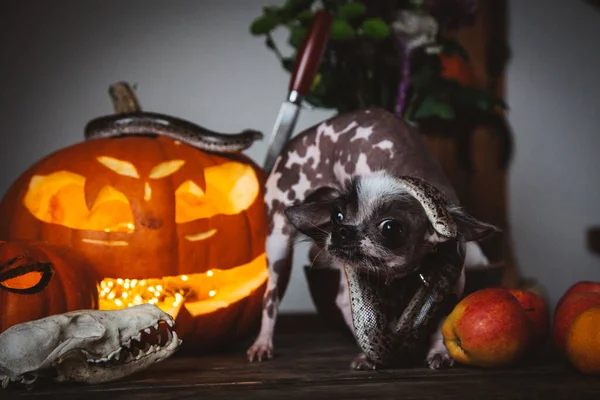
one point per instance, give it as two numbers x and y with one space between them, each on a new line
129 120
393 321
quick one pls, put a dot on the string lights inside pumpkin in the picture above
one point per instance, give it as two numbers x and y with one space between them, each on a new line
202 293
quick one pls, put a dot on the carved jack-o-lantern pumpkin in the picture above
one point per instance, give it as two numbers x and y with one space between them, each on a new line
38 280
161 221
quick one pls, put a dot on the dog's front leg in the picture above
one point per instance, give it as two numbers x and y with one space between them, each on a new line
279 249
437 355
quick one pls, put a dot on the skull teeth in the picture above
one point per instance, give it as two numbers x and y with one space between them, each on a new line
174 339
115 355
139 346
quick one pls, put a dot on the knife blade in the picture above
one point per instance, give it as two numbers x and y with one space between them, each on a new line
307 63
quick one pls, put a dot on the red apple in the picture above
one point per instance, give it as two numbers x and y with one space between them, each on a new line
488 328
537 311
579 287
572 306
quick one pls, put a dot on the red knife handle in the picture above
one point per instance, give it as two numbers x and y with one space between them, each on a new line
310 53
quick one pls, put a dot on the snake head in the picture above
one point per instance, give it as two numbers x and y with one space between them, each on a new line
253 135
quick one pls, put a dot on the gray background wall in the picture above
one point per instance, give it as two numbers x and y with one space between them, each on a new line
196 60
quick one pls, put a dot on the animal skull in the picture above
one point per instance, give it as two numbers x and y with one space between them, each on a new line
88 346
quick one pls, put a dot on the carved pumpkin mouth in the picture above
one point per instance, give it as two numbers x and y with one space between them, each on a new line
199 293
200 235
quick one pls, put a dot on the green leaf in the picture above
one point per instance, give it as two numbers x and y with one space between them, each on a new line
350 11
296 5
305 16
375 28
271 10
430 107
292 8
264 24
316 82
297 34
341 30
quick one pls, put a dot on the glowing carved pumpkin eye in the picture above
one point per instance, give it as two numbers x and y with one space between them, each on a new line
58 198
165 169
230 189
121 167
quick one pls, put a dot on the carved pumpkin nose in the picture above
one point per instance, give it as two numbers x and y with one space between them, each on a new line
343 235
152 223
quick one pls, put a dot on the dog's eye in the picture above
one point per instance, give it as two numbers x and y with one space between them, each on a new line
390 228
337 215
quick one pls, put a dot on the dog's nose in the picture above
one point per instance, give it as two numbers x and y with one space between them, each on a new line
343 234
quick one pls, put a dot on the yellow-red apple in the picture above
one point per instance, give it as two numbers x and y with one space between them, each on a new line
488 328
578 287
571 307
537 311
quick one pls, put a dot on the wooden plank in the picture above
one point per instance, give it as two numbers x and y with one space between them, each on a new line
315 364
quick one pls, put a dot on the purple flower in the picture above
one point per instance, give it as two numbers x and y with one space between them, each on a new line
453 14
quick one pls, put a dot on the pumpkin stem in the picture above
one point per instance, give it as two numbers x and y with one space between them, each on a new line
123 98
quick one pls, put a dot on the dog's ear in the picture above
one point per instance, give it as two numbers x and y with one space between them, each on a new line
470 227
314 211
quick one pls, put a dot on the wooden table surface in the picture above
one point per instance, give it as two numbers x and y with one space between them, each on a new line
313 362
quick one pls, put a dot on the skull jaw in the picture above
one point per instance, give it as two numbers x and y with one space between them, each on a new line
84 372
28 379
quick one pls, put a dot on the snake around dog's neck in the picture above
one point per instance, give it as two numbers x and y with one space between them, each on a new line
393 321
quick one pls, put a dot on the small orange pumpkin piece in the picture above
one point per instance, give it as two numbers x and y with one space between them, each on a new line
71 286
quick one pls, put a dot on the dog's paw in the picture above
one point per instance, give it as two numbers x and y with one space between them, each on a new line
439 358
261 350
362 363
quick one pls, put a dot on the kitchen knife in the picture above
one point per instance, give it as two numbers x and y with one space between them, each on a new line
307 63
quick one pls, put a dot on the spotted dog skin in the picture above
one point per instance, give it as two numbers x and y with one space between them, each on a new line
330 153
